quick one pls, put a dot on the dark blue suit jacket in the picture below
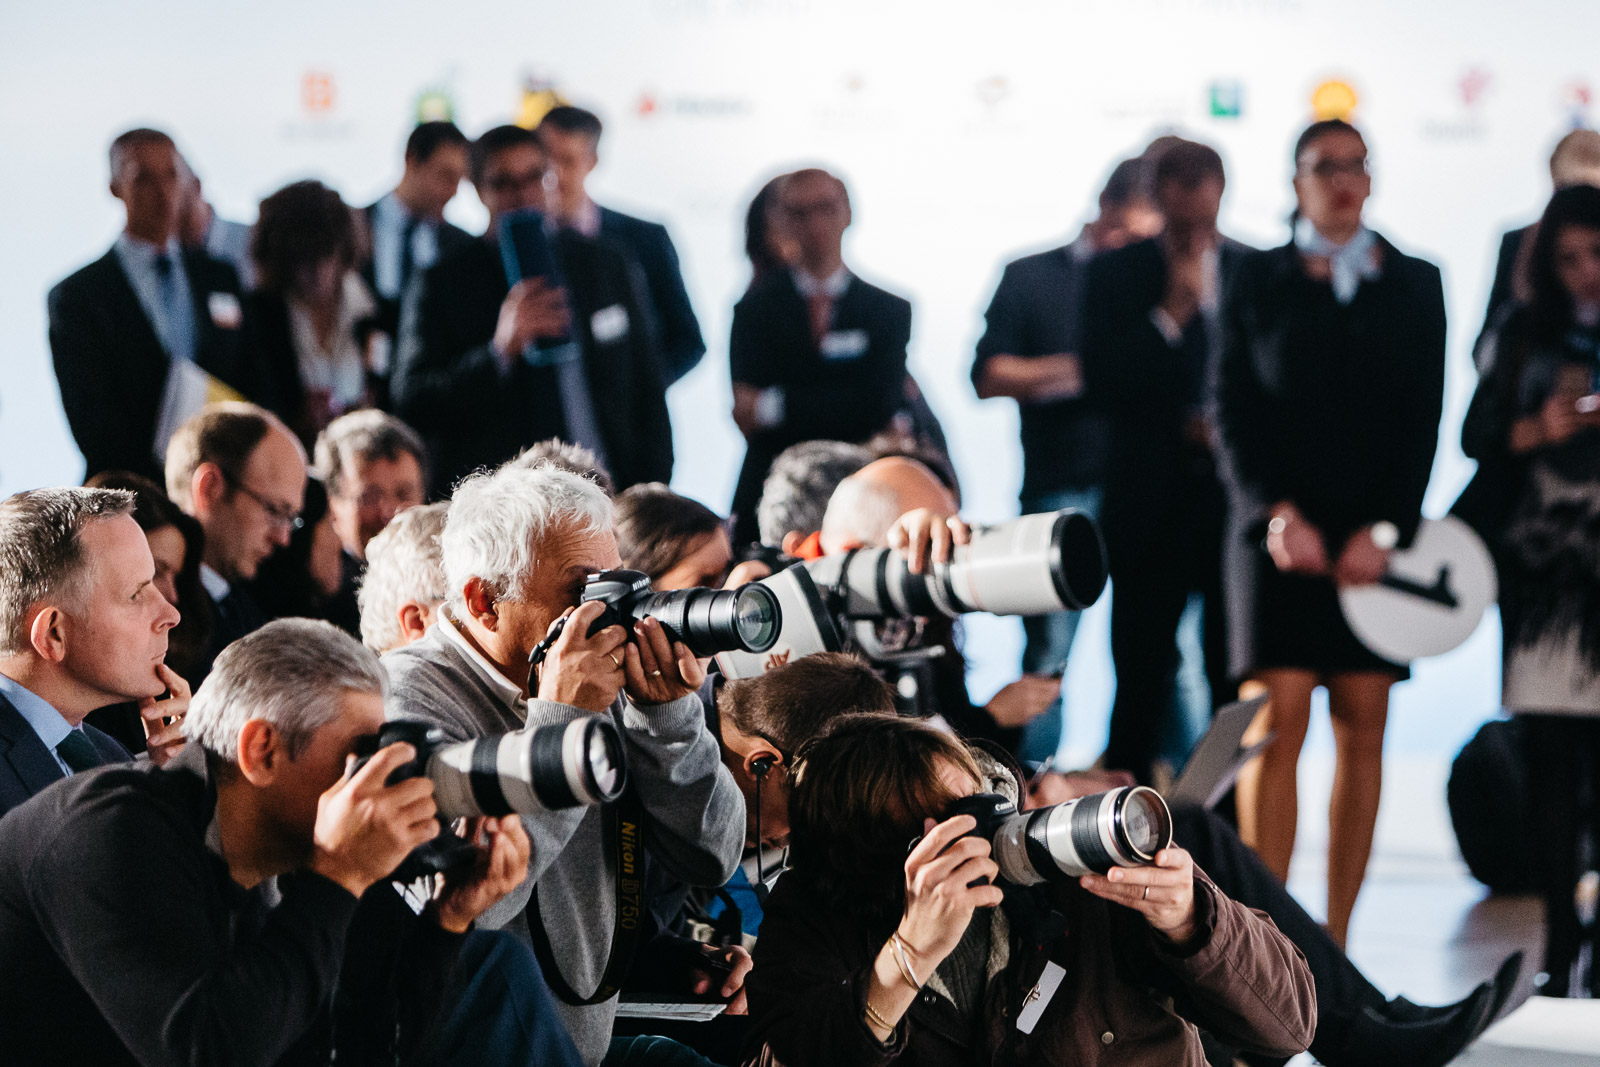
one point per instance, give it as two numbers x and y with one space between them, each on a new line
677 330
27 766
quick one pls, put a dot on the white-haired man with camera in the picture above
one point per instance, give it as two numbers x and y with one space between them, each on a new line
518 545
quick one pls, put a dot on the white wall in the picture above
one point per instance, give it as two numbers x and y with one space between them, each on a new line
967 132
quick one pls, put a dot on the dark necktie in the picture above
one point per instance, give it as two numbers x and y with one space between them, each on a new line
408 237
819 310
78 752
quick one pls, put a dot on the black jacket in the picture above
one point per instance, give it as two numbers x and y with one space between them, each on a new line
1156 476
447 382
27 766
672 316
274 380
112 368
126 940
450 238
1038 310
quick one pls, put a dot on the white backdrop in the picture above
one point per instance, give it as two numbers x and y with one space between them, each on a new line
967 133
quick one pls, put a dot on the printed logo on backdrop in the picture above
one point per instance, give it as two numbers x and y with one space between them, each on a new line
1226 99
1466 120
1576 97
434 104
1334 99
538 97
318 117
853 103
652 105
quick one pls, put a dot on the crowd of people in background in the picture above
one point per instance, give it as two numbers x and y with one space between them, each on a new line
364 417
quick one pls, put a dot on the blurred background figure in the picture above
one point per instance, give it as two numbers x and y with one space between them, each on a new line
200 228
403 584
302 578
767 245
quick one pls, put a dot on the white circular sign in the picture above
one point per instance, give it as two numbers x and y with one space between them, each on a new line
1432 598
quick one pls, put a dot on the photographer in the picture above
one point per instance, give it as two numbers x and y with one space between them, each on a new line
517 546
870 954
231 907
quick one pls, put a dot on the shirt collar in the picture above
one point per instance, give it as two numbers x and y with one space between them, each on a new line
40 714
217 587
131 249
479 663
389 207
1082 249
587 219
833 286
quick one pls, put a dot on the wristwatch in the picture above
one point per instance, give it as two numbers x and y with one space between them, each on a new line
1386 535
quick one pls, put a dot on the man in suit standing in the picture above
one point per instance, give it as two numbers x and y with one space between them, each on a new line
1030 352
816 352
82 625
407 225
1150 340
122 328
571 136
471 375
241 474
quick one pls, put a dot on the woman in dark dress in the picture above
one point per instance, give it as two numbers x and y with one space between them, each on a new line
1534 429
1330 386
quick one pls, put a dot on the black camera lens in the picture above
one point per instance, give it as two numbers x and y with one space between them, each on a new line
715 620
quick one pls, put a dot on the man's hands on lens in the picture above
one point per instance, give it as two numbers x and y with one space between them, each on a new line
940 894
502 864
583 671
923 534
163 739
1163 894
732 989
365 828
659 670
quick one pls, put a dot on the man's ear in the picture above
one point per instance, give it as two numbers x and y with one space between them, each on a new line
47 634
414 619
261 753
480 604
207 488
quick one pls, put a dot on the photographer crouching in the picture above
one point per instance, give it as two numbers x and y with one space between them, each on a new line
233 906
895 938
518 546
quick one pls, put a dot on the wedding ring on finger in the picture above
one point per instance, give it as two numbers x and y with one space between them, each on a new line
614 661
1146 894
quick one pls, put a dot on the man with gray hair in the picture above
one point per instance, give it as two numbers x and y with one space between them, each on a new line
404 584
518 544
224 908
796 491
82 626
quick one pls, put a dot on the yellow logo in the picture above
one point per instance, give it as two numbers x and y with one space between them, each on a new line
1333 100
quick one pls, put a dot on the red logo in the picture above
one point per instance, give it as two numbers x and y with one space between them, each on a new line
1474 83
647 104
778 659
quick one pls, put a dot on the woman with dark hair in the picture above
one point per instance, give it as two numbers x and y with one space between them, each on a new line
680 543
891 936
303 578
1534 428
1330 387
320 354
766 245
176 543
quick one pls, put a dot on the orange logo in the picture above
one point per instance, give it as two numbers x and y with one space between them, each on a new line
1333 100
317 94
778 659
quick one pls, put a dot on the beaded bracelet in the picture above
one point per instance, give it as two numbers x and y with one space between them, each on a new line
878 1020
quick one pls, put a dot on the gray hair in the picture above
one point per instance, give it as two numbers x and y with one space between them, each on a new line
567 456
361 437
803 477
405 564
41 551
293 673
499 521
860 513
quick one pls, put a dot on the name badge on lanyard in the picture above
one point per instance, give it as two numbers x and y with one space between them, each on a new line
844 344
1038 997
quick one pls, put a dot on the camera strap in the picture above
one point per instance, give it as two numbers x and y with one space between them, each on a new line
622 825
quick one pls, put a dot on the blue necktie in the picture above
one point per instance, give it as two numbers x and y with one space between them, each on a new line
78 752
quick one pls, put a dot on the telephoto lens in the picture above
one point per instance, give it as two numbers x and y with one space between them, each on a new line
1123 827
709 621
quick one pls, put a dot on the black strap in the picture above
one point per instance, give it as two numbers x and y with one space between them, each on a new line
622 824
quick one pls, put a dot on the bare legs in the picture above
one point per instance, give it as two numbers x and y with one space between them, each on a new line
1268 787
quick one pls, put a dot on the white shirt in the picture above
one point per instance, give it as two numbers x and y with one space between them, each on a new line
509 690
339 367
389 221
833 286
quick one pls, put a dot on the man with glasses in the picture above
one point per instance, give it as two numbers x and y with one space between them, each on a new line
816 352
486 368
242 475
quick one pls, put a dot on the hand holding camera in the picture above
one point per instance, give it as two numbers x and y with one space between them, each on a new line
659 670
923 534
364 827
502 863
580 667
1163 894
948 874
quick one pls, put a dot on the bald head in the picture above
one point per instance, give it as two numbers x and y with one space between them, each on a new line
868 502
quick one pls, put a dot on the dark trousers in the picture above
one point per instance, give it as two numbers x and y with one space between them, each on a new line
1342 990
1563 759
499 1011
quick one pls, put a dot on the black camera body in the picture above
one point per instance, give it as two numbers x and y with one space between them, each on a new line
448 851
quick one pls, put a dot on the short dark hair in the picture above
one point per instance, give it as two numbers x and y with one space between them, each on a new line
301 224
1318 130
125 142
429 137
1127 183
656 528
569 119
791 704
564 455
226 434
1188 163
41 550
363 436
1550 309
494 141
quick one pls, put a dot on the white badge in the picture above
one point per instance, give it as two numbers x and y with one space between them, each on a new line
609 324
225 311
844 344
1038 997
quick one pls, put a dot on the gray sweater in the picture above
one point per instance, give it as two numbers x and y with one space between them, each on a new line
694 814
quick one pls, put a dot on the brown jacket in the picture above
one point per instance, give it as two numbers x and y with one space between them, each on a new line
1128 997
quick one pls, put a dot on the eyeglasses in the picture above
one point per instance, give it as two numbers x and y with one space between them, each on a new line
1332 168
511 183
375 497
280 515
